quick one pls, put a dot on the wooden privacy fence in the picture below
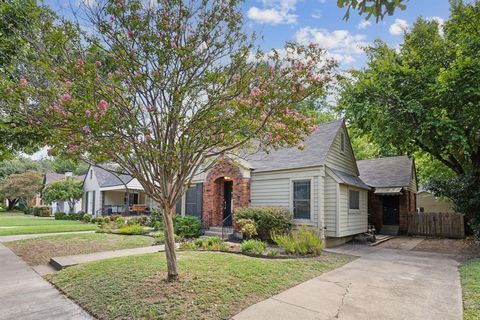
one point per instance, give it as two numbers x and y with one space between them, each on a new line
436 224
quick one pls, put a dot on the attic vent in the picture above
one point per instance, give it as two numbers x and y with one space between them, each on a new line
342 141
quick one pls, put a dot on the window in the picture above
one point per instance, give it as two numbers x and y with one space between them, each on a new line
301 199
133 198
191 201
354 199
342 141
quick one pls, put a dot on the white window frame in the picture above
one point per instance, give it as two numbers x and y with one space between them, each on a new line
302 221
354 211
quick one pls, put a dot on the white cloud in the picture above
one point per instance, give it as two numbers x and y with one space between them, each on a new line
340 44
398 27
364 24
317 14
274 12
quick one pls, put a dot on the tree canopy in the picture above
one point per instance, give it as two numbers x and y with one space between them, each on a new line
69 190
23 186
375 8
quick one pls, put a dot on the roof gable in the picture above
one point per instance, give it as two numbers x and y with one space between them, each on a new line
108 178
387 172
315 152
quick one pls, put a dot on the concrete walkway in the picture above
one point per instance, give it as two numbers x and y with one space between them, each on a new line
382 284
68 261
25 295
37 235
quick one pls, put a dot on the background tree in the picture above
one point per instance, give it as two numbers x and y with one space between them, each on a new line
164 88
69 190
23 164
20 187
376 8
63 164
425 96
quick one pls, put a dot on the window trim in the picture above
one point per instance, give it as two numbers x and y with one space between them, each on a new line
301 221
354 211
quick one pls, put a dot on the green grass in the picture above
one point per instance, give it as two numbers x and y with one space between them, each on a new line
39 250
19 223
212 285
470 275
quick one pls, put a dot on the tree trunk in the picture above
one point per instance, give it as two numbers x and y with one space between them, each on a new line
11 204
170 244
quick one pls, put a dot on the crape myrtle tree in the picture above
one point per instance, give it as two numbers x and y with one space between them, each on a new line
161 88
424 97
69 190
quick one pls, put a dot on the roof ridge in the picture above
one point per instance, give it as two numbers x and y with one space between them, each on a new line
382 158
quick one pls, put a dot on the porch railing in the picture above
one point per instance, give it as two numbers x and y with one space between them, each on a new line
227 230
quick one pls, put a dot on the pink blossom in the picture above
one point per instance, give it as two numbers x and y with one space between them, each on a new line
80 62
301 146
103 105
130 34
313 45
88 113
255 92
23 82
97 78
13 125
86 129
66 97
98 63
109 74
173 44
112 18
68 83
312 129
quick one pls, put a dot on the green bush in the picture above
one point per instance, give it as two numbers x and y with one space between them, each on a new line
26 210
160 238
86 217
302 241
156 219
253 246
267 219
187 226
107 219
188 245
59 215
272 252
134 229
120 222
247 227
41 211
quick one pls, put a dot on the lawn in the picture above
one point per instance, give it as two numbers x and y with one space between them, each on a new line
14 223
212 285
470 275
40 250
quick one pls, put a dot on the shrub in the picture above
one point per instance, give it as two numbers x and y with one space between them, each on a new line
100 220
160 238
253 246
247 227
302 241
132 221
107 219
86 217
134 229
272 252
267 219
187 227
120 222
156 219
59 215
41 211
188 245
26 210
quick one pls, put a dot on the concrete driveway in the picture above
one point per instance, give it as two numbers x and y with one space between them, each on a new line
382 284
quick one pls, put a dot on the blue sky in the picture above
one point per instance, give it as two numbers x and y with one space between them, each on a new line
320 21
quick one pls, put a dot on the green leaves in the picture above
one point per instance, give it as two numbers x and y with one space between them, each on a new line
376 8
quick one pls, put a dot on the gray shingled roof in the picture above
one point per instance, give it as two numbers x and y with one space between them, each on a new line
108 179
386 172
350 179
314 153
50 177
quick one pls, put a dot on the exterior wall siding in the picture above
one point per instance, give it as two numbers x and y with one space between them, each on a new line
330 205
351 223
276 189
342 160
89 185
430 203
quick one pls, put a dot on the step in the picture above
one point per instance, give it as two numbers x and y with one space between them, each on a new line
210 233
389 230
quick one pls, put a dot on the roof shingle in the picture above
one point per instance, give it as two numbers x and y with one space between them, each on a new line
386 172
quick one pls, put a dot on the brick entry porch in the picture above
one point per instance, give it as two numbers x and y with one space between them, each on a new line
226 188
378 204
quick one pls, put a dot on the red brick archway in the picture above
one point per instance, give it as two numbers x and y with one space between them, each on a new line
213 190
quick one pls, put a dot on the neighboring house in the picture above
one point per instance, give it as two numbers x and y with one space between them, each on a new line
393 195
106 192
427 202
60 206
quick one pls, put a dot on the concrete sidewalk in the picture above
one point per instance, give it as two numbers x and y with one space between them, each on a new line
381 284
68 261
25 295
37 235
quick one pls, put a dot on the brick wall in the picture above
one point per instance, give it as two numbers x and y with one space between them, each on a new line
407 203
213 190
375 210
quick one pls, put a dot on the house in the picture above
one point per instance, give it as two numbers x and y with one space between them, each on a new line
393 194
107 192
60 206
427 202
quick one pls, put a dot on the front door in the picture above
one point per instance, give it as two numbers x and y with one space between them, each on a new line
391 210
227 203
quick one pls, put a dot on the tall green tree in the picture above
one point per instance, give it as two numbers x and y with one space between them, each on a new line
69 190
424 97
375 8
163 88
